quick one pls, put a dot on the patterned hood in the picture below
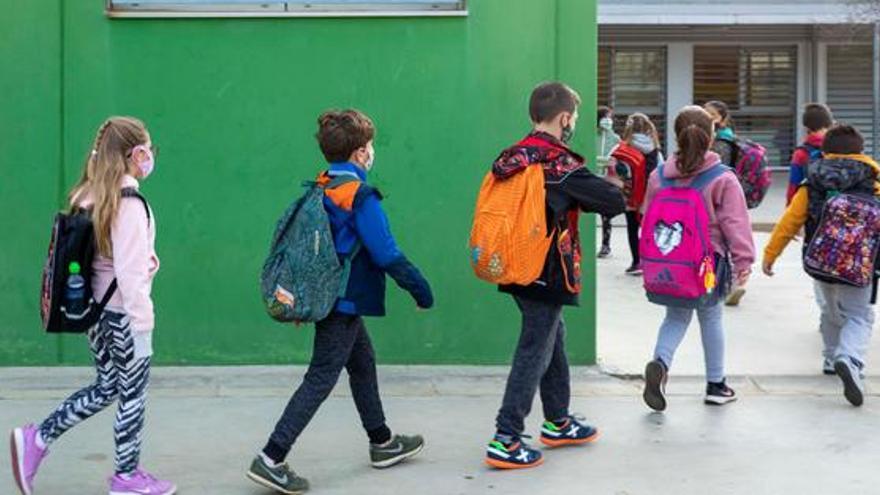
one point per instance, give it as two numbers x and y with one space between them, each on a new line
538 147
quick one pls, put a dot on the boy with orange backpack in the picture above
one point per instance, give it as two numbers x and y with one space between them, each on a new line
542 185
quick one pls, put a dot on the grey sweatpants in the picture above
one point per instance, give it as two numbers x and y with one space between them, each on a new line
847 320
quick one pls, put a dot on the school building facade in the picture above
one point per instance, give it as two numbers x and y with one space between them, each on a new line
763 58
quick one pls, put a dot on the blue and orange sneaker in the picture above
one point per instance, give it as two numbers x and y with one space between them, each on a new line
570 431
513 454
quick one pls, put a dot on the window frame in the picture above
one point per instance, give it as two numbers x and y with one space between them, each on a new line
287 8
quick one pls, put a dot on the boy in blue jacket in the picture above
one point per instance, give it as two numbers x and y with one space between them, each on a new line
361 232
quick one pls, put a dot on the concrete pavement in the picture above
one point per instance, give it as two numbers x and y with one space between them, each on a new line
786 435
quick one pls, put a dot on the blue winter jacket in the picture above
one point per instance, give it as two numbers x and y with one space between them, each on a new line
360 227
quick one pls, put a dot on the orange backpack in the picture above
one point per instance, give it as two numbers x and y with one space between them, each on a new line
509 241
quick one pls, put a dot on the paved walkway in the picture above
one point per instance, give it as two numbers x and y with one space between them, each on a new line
785 436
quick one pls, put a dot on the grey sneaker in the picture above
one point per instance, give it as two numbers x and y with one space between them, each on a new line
851 376
397 450
828 367
280 478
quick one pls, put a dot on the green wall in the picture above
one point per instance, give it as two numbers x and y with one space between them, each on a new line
232 103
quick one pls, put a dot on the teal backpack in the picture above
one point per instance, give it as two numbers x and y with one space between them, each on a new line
303 277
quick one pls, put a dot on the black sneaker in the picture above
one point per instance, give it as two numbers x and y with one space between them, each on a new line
634 270
397 450
604 252
718 394
655 385
570 432
279 478
512 455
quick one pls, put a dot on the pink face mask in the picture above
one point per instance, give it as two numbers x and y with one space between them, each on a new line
147 165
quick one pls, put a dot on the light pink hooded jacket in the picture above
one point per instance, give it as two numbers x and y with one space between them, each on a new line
134 264
730 226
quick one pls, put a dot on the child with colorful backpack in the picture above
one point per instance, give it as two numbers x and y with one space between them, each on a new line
725 135
542 274
362 239
748 160
696 226
637 155
124 262
837 204
817 119
606 141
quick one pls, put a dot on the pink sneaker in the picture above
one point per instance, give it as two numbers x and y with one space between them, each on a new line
140 482
26 457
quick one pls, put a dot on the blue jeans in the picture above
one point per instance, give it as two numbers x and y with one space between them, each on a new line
847 320
675 326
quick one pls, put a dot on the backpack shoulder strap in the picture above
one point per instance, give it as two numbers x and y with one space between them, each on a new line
706 177
130 192
665 182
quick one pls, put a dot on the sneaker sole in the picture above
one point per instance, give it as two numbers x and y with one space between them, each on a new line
634 274
713 400
566 442
653 395
850 388
397 460
170 492
272 486
735 297
512 465
16 448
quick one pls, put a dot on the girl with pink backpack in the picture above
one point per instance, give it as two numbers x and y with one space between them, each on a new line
696 242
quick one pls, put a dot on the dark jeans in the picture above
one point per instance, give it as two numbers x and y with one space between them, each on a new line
341 341
632 232
606 231
539 361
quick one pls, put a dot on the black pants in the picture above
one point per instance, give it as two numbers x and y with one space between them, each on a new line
606 231
540 361
632 233
341 341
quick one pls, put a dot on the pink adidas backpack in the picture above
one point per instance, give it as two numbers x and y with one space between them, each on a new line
676 248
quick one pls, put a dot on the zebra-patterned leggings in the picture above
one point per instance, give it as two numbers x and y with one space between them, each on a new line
120 376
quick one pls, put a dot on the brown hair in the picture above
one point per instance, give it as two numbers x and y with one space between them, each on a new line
549 99
109 159
817 116
602 112
722 110
693 134
639 123
342 132
843 139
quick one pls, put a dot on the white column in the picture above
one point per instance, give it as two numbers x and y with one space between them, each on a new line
679 85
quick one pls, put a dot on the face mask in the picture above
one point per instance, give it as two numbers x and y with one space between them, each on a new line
606 123
369 163
567 134
148 164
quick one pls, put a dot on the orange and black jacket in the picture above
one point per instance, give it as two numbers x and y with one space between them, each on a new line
571 188
360 228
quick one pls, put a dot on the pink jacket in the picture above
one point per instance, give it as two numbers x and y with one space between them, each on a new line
731 226
134 264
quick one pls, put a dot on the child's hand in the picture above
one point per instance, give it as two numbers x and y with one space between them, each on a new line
768 268
742 278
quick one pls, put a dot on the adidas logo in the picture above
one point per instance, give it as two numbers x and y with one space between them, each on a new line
664 277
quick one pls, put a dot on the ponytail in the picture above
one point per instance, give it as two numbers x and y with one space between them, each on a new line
693 134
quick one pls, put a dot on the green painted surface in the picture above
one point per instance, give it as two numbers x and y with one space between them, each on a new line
232 103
